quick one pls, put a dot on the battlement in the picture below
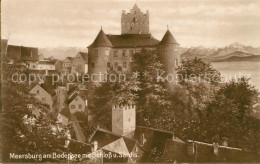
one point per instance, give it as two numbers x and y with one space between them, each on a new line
123 107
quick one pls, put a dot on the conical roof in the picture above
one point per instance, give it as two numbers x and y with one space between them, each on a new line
168 38
101 40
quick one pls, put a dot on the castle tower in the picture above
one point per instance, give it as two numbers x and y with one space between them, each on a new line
98 56
168 50
135 22
123 119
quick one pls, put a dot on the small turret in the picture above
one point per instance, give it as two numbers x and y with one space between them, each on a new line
168 50
101 40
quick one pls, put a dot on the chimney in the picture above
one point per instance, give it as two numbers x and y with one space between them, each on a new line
67 142
95 146
46 72
173 137
215 147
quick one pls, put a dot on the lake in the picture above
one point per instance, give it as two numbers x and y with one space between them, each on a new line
235 70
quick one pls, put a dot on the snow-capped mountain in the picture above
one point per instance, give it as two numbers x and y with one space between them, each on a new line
234 51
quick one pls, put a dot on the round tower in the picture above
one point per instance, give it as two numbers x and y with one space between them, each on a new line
168 50
98 57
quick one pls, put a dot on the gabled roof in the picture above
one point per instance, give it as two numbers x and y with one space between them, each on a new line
48 85
101 40
130 143
133 40
78 130
65 112
117 146
104 137
168 39
84 56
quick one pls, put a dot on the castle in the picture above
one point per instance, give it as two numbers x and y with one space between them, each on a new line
114 52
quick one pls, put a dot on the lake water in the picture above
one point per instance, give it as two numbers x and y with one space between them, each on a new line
235 70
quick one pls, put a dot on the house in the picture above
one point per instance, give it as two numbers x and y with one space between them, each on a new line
123 148
46 65
28 55
64 116
79 63
45 92
59 66
76 104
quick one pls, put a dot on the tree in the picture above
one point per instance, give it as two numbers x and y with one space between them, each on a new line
228 115
18 137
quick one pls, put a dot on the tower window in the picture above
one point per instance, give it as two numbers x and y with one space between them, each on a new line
96 52
116 64
108 64
92 65
124 53
129 119
131 28
124 64
115 54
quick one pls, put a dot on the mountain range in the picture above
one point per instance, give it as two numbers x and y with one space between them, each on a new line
232 52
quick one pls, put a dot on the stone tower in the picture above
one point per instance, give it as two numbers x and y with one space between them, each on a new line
123 119
168 50
98 56
135 22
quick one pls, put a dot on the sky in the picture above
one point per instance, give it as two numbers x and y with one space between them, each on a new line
75 23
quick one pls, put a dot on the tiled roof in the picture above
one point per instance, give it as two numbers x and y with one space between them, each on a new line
130 143
101 40
49 62
78 130
104 137
168 39
65 112
48 85
133 40
14 52
29 54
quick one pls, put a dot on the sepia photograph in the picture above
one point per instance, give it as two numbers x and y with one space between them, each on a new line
130 81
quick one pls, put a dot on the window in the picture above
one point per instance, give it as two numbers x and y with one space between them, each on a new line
92 65
108 64
124 53
124 64
131 28
96 52
107 52
38 91
115 54
80 106
72 106
131 52
129 119
135 19
116 64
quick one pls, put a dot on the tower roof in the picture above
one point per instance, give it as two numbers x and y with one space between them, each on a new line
101 40
168 38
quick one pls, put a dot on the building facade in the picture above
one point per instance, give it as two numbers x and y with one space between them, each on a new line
114 52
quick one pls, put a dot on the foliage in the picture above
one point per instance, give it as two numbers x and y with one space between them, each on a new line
18 137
